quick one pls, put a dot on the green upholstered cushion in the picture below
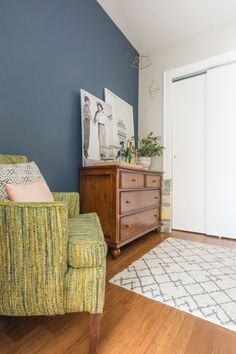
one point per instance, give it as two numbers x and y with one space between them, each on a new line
86 246
33 258
12 159
72 200
85 289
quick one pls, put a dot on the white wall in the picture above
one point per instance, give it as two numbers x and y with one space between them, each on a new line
193 48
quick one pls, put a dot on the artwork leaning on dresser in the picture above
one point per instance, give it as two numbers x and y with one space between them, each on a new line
126 199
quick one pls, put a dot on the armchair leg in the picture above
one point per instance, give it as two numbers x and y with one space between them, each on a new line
95 324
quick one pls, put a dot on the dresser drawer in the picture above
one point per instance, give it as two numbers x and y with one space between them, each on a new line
132 224
134 200
131 180
153 181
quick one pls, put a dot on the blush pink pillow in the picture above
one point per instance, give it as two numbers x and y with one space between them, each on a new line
37 191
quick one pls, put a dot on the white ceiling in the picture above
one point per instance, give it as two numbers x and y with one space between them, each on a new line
150 23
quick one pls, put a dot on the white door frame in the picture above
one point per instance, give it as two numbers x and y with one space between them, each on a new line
168 76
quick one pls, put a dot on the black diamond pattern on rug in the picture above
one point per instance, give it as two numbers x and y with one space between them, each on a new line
194 277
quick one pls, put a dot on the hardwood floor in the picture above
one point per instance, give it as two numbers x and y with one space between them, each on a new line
132 324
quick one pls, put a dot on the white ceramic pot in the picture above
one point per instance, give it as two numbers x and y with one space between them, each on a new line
145 161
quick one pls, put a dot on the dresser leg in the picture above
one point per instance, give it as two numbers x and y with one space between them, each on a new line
158 230
115 252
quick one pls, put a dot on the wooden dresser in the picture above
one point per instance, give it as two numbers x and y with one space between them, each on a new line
127 201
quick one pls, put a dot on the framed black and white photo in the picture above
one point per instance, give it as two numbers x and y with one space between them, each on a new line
97 129
123 118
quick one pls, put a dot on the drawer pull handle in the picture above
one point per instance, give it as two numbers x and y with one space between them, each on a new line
153 181
156 216
127 202
133 180
156 198
128 226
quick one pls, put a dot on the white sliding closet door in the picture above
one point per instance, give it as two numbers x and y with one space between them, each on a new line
189 123
221 151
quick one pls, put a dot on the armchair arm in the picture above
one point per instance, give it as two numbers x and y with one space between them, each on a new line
33 257
72 199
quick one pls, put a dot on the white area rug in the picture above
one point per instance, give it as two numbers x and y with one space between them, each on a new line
194 277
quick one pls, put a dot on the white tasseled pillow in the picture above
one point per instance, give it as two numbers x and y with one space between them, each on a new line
20 173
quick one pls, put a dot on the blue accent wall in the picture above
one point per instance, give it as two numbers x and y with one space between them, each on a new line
49 50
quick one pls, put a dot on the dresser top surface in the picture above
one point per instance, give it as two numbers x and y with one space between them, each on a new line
121 167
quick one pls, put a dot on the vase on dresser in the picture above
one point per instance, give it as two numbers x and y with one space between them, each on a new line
145 161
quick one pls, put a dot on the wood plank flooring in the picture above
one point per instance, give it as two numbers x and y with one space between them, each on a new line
132 324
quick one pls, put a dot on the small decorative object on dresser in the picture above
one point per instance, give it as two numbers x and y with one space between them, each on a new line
147 148
126 199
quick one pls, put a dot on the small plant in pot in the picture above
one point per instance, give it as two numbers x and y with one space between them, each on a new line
147 148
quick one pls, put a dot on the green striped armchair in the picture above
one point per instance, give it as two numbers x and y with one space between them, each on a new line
52 259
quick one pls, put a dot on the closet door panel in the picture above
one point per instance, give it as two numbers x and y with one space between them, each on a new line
221 152
189 123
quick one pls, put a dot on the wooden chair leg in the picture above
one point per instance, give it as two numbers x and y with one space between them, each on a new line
95 324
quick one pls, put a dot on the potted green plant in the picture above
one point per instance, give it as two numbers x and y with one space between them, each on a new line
148 147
